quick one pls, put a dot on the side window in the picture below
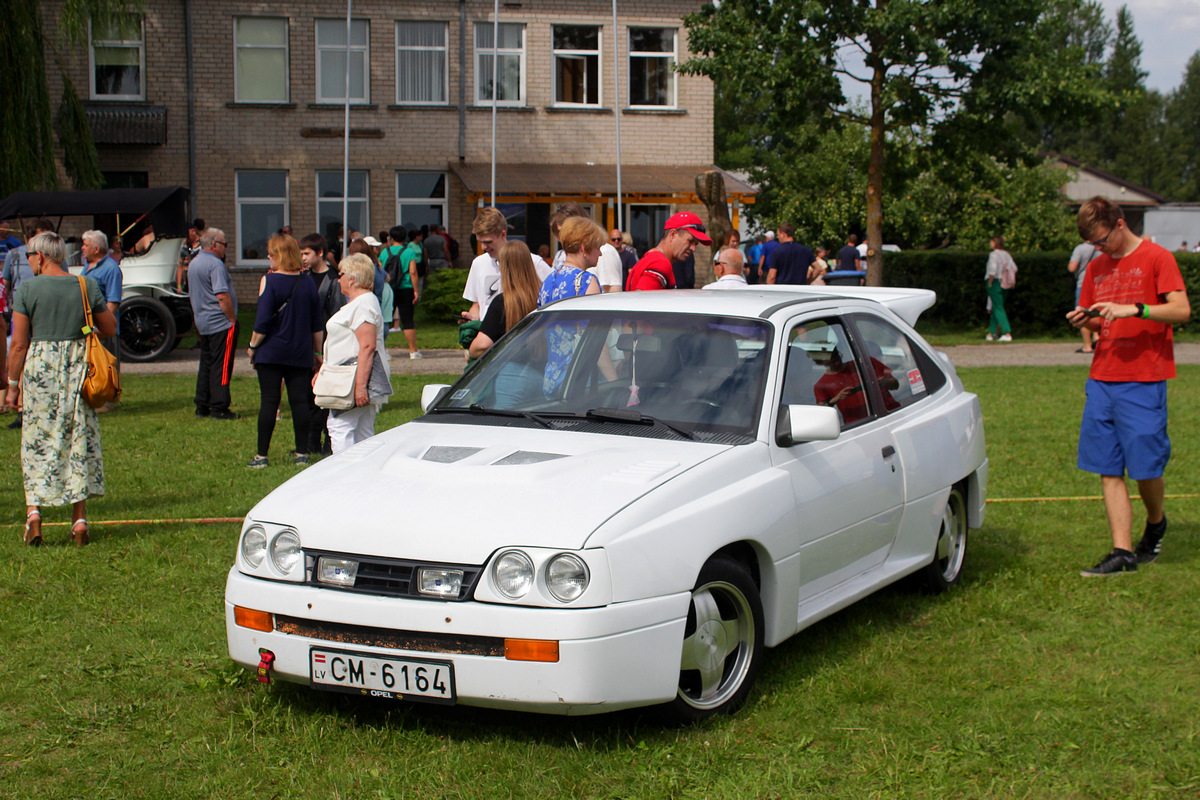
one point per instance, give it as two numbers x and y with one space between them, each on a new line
821 371
905 375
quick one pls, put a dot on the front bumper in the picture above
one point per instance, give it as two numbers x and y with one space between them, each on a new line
618 656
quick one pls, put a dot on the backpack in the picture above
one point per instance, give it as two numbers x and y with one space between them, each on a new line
1008 273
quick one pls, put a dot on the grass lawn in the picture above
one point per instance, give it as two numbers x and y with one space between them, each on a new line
1024 681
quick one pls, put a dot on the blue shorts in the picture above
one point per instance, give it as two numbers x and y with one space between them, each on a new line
1124 429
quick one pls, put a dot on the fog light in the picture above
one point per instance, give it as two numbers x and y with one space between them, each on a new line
439 582
338 571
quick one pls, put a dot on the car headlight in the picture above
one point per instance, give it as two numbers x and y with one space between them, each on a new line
439 581
566 577
513 573
254 545
285 551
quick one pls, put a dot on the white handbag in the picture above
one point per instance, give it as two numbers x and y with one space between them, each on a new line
334 386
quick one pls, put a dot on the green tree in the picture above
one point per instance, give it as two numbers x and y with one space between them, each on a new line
950 69
27 131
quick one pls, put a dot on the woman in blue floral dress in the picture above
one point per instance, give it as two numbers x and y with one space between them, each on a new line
581 240
60 438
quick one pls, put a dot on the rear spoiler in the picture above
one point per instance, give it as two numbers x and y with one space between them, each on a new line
907 304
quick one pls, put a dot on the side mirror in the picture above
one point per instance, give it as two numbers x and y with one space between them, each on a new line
807 424
431 393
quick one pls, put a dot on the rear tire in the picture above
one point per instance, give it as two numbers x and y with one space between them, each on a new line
950 553
722 643
147 329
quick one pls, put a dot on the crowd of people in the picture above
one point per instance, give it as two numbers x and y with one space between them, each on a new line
315 307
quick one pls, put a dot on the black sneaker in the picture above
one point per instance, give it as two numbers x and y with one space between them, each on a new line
15 424
1148 548
201 412
1115 563
258 462
223 413
299 459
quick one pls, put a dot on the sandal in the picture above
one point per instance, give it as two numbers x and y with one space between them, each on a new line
80 537
33 529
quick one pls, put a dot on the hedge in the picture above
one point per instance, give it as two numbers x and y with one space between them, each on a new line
1045 290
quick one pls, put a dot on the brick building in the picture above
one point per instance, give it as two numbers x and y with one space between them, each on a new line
243 103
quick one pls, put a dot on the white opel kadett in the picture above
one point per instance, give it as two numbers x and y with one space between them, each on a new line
620 505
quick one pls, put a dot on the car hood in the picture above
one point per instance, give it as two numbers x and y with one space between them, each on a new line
456 493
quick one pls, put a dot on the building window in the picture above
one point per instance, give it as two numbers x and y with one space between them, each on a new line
261 53
262 209
422 75
331 61
510 87
118 56
420 199
329 203
645 224
652 67
577 65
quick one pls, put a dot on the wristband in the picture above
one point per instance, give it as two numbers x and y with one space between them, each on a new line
1145 312
253 346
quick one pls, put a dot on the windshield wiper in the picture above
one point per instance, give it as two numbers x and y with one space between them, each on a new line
630 416
475 408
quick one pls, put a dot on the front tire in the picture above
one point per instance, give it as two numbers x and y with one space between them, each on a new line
147 329
951 550
722 644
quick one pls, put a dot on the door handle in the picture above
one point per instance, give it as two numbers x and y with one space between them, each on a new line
889 451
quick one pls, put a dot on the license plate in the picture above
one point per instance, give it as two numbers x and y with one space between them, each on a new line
373 676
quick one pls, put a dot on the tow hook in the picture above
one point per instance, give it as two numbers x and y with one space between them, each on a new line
267 659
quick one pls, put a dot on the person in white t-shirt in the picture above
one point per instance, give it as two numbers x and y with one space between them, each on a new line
608 269
483 281
729 269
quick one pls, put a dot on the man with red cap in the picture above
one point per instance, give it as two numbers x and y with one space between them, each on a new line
655 269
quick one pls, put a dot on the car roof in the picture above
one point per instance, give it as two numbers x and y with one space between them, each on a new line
760 301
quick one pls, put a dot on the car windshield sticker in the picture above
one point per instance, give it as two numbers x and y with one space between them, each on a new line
916 381
459 395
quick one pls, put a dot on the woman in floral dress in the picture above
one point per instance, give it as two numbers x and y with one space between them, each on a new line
60 438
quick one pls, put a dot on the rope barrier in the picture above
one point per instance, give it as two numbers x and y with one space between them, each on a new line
229 520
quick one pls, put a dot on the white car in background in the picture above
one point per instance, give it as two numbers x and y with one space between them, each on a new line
621 504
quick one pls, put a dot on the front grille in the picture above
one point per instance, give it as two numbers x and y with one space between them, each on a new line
420 641
393 577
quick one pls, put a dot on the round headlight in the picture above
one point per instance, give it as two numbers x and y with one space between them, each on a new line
254 546
513 573
566 577
285 551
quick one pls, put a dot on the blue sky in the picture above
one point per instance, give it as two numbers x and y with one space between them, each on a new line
1169 31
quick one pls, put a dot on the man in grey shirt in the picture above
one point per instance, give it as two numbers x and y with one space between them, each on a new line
1081 256
214 309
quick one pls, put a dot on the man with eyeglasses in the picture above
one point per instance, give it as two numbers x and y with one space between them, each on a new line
1132 294
729 268
683 232
214 307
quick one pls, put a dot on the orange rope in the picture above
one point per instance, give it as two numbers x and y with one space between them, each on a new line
229 520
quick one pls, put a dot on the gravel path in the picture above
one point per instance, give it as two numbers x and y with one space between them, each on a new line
452 361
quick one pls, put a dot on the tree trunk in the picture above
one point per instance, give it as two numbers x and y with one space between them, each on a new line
875 181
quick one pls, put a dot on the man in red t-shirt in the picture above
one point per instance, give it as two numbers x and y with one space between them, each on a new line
655 269
1132 294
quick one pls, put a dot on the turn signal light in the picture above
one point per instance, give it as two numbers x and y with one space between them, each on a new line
255 620
530 650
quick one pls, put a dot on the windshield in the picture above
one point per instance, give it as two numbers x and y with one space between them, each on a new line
692 373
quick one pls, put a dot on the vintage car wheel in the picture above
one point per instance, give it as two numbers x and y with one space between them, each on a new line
722 643
147 329
951 551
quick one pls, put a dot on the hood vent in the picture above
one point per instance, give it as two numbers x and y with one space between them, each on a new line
523 458
449 455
